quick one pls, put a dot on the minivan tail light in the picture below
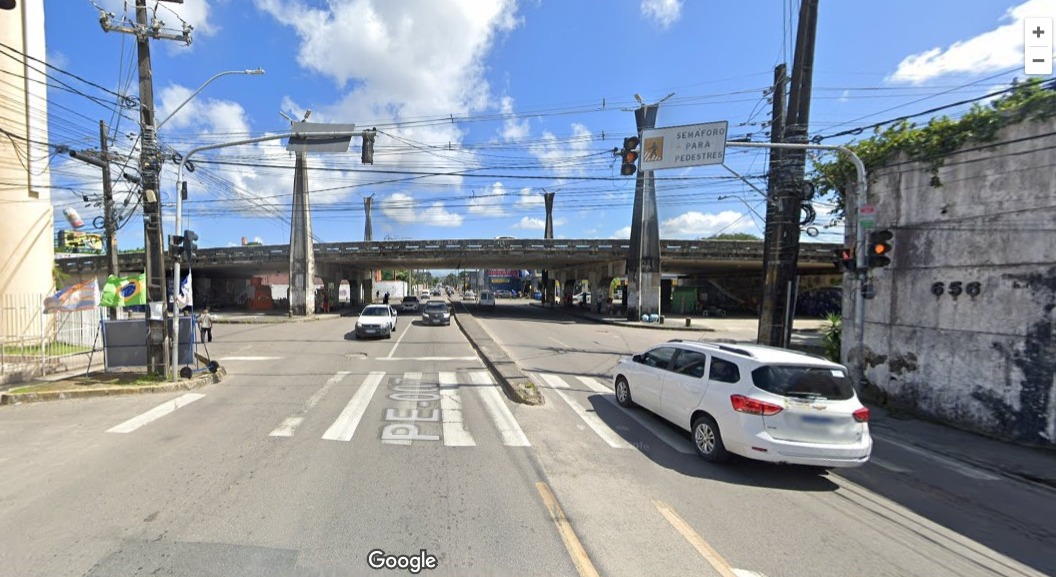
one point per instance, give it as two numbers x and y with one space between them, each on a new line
743 404
861 415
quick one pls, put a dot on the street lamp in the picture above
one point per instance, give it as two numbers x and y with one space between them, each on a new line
174 349
255 72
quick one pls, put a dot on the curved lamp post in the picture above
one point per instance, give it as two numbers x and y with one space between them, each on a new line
174 346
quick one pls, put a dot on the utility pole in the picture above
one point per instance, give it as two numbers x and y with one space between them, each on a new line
368 231
779 297
108 213
548 234
774 223
149 169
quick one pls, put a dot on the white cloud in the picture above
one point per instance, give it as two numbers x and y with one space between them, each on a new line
528 223
991 51
695 224
663 12
530 199
512 129
563 158
402 208
490 203
624 232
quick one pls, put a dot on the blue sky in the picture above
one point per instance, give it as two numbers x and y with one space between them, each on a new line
500 100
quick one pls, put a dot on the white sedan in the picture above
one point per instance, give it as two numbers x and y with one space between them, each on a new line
376 321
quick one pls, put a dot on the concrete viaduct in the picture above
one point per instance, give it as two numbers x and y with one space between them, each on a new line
567 260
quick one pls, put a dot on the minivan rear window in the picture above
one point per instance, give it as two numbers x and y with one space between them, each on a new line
806 382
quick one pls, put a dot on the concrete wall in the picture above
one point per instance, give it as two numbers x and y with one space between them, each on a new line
984 362
27 234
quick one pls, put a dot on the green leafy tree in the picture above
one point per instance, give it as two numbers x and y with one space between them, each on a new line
733 236
832 337
936 140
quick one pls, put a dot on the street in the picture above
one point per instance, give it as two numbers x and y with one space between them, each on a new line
318 449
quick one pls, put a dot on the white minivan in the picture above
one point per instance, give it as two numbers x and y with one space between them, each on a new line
486 299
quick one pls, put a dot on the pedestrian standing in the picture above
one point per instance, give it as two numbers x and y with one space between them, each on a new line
205 323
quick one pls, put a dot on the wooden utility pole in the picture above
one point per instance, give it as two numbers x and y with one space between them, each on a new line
771 239
779 293
109 227
149 169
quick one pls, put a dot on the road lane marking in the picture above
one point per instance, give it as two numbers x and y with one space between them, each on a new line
560 343
661 432
455 433
155 413
706 551
399 339
512 435
345 425
290 424
579 556
591 419
415 403
962 468
430 358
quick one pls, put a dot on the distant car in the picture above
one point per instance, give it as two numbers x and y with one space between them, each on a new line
436 313
436 292
537 295
578 298
503 294
486 300
410 303
423 295
759 402
469 296
376 321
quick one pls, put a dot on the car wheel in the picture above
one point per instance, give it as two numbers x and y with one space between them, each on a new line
623 393
388 335
708 441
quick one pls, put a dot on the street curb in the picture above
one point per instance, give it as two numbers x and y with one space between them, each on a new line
185 385
516 385
642 325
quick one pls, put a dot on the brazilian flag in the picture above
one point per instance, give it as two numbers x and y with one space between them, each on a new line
124 291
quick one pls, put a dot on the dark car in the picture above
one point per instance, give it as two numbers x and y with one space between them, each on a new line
436 313
410 303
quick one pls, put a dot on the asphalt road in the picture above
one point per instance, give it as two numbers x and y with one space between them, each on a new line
318 449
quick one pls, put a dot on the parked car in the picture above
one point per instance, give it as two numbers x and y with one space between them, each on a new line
755 401
376 321
436 313
486 300
410 303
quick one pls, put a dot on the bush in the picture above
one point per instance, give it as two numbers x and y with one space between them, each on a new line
832 341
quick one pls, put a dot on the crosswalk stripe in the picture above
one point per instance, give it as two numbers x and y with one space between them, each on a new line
290 424
345 425
512 435
666 435
591 419
455 433
155 413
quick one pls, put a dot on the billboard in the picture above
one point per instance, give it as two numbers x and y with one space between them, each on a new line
79 242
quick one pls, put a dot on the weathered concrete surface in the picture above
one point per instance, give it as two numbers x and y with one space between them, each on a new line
984 361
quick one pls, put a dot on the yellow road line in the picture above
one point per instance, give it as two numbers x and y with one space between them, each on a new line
706 551
575 548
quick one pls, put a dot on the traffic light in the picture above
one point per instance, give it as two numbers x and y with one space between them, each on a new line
845 259
176 246
629 155
190 247
368 146
879 248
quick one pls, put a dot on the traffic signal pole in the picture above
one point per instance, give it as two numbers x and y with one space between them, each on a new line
174 343
860 201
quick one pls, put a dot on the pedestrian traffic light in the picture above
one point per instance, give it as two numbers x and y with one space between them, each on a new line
845 259
629 155
879 247
190 247
368 146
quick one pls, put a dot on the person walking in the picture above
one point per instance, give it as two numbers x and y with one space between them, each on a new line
205 323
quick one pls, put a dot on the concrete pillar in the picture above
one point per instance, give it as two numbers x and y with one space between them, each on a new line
302 253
